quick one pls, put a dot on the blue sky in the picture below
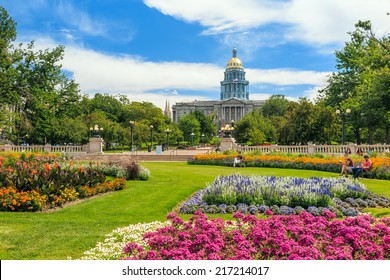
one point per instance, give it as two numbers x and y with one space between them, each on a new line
154 50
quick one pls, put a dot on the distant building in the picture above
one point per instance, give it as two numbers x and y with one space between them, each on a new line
234 100
167 110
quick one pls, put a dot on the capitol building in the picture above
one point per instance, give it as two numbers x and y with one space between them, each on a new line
234 100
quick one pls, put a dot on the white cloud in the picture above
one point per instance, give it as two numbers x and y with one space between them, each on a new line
286 76
320 22
157 81
80 19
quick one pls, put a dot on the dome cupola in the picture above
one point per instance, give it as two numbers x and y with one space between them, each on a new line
234 62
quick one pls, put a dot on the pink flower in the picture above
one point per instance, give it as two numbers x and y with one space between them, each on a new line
268 212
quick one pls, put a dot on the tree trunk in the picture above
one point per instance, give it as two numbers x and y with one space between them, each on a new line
387 134
370 135
357 135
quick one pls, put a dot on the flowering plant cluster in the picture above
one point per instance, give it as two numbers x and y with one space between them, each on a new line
30 201
48 178
112 247
11 158
329 163
108 186
302 236
283 195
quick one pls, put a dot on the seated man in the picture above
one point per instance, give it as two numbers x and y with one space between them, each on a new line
237 159
347 165
365 166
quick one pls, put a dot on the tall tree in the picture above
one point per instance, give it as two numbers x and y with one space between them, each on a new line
207 126
189 125
253 128
276 105
362 81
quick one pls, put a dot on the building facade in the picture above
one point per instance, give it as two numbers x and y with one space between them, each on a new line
234 100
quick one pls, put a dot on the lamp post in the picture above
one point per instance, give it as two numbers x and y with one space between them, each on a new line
151 138
202 136
343 116
131 134
232 126
167 131
227 130
192 138
95 131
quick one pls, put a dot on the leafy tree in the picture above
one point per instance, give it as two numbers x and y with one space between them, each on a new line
299 125
207 126
362 81
253 128
8 56
188 124
276 105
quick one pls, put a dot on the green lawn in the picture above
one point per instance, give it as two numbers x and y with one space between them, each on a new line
72 230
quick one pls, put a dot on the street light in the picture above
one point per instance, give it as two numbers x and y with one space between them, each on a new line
192 138
131 134
95 131
167 131
227 130
202 139
151 138
232 126
343 117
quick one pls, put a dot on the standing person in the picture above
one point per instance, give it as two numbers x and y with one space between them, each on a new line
366 165
347 165
359 151
237 159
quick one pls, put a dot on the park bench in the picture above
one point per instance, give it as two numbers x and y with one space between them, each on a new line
368 173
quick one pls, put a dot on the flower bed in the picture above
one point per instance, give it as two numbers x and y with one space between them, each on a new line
279 237
30 201
381 165
32 182
284 195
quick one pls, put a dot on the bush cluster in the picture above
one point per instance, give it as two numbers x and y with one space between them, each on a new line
128 168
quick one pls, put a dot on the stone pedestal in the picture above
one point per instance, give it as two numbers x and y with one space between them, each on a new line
228 144
95 145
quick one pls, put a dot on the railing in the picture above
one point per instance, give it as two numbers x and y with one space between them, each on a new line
67 149
320 149
172 154
46 148
25 148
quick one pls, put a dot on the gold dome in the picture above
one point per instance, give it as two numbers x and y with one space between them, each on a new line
234 62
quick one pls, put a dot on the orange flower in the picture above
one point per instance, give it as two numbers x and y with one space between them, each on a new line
47 167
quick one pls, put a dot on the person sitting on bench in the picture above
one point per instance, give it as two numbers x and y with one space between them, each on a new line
366 165
238 159
347 165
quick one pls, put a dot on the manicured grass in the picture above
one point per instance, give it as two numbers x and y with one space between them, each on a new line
72 230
